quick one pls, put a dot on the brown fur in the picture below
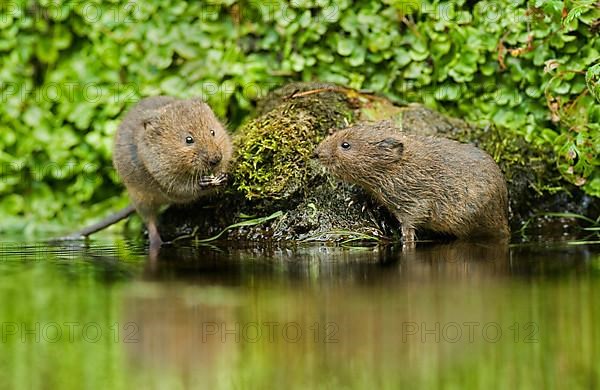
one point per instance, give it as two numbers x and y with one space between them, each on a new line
426 182
156 163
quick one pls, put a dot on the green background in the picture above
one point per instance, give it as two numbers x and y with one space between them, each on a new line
69 70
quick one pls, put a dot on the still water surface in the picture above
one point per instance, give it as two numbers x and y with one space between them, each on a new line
455 315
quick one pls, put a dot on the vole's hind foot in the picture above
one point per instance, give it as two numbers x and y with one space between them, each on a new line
409 246
408 237
155 240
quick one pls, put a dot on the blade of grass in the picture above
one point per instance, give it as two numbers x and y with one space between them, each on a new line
570 215
369 244
341 232
583 242
185 236
250 222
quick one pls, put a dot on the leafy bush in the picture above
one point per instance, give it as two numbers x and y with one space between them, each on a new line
70 68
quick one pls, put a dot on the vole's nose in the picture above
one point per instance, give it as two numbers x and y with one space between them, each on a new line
215 159
315 154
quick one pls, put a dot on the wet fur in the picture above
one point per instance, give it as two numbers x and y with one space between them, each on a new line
153 159
426 182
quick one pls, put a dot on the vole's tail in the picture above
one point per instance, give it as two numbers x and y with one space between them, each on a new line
106 222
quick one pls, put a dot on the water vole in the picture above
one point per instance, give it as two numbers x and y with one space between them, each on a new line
427 182
169 151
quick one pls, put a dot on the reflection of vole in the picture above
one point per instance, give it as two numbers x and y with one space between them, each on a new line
426 182
169 151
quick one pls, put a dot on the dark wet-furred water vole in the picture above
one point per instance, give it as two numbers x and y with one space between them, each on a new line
170 151
428 183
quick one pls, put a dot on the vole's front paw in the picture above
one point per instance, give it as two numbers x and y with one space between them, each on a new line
220 179
208 181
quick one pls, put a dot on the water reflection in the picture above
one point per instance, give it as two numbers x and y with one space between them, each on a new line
452 314
318 313
448 261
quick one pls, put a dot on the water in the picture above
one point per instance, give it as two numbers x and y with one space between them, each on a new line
454 315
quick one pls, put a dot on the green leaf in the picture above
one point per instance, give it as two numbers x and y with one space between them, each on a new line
592 80
345 46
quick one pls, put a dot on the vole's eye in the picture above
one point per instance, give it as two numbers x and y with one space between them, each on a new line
212 132
345 145
189 140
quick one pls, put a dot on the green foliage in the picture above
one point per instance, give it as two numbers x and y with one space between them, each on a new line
592 79
69 69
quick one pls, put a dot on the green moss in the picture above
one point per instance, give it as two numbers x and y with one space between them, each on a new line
273 150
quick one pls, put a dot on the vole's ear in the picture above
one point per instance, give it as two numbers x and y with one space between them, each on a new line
148 119
392 144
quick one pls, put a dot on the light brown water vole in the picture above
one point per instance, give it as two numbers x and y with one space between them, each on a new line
170 151
427 182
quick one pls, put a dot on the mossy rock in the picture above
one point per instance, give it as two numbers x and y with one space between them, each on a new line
273 150
273 170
